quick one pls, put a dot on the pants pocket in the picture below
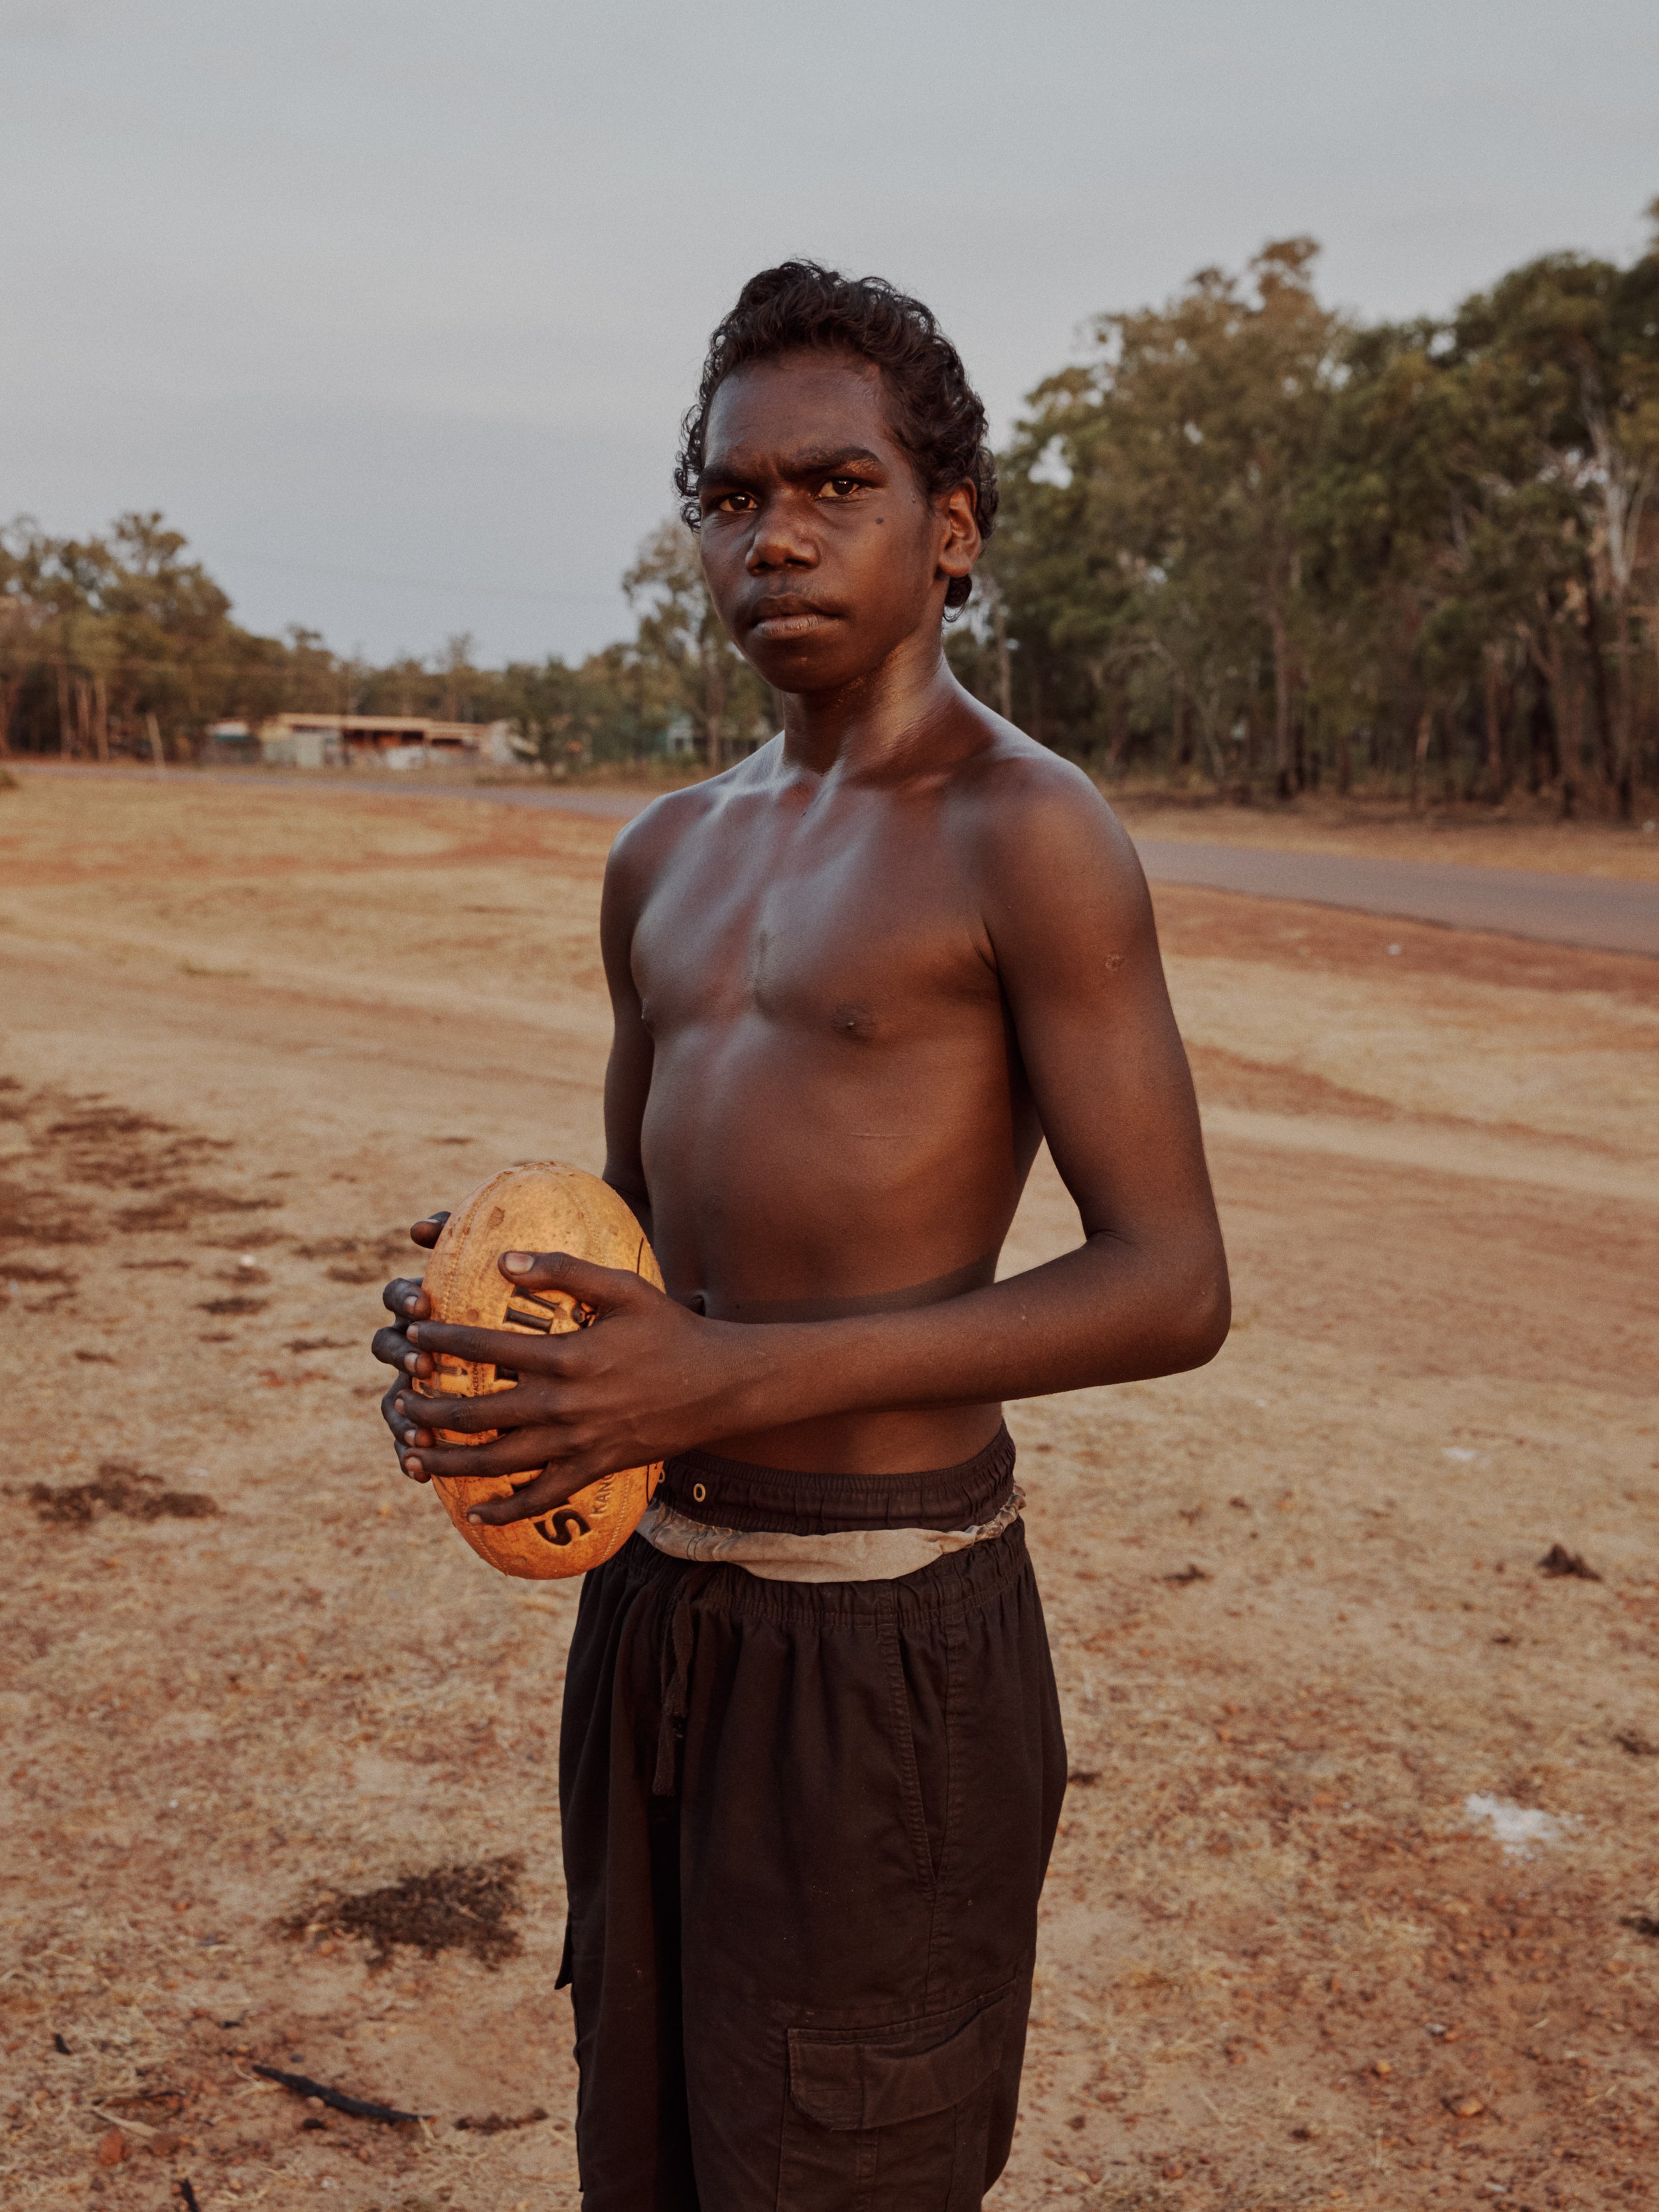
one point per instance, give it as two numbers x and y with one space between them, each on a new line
893 2118
918 1694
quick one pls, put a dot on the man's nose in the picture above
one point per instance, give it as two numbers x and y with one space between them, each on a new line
783 537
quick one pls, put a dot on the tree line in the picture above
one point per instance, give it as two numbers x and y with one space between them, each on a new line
123 645
1249 539
1246 542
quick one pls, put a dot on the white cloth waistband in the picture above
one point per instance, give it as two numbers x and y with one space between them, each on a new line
854 1555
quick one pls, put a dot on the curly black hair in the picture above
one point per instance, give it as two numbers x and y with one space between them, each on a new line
938 417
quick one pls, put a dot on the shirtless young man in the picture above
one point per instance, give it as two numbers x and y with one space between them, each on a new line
810 1773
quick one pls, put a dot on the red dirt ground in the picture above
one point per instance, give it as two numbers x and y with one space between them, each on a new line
270 1724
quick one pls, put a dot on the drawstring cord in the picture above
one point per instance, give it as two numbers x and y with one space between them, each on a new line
679 1639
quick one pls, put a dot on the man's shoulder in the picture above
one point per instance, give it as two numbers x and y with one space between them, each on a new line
654 833
1009 769
1051 868
1019 799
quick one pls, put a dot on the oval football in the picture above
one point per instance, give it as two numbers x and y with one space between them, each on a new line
541 1207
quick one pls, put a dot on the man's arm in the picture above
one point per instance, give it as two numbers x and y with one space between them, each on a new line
1067 925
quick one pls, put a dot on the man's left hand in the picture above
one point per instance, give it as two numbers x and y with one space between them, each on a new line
644 1379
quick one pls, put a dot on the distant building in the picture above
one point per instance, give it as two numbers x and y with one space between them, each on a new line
232 740
393 741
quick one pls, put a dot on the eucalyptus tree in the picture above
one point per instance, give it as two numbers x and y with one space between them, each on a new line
1157 492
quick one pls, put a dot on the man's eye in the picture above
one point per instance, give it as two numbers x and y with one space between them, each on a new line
842 487
731 502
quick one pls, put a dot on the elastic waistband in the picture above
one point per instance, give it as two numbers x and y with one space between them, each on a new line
851 1555
957 1585
732 1493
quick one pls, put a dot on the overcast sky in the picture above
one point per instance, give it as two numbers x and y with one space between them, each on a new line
393 306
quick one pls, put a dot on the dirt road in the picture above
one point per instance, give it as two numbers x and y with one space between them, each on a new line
280 1774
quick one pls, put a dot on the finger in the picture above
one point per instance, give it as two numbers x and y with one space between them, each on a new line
496 1347
426 1232
394 1349
406 1439
495 1409
404 1296
407 1429
519 1451
552 1487
601 1288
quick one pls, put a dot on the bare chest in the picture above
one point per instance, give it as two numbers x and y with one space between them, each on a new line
865 943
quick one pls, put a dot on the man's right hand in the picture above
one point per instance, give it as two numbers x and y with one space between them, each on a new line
404 1298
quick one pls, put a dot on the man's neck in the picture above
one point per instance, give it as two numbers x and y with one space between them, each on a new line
888 722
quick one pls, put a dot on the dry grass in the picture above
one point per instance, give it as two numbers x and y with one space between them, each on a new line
451 1908
118 1487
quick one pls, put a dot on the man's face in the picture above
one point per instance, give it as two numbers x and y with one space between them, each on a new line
822 552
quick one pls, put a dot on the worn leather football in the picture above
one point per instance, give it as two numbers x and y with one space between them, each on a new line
539 1207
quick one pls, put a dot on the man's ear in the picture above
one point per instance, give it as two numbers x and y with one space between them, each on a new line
959 511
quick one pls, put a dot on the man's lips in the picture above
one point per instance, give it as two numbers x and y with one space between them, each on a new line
788 615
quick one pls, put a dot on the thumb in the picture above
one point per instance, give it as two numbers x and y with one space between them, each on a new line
604 1289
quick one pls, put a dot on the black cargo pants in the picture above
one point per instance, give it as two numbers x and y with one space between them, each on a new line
806 1827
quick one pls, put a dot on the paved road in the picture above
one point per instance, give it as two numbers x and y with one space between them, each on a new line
1602 912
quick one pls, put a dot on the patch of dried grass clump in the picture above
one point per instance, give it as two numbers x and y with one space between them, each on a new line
118 1487
1560 1561
178 1210
84 1143
34 1217
451 1908
496 2123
